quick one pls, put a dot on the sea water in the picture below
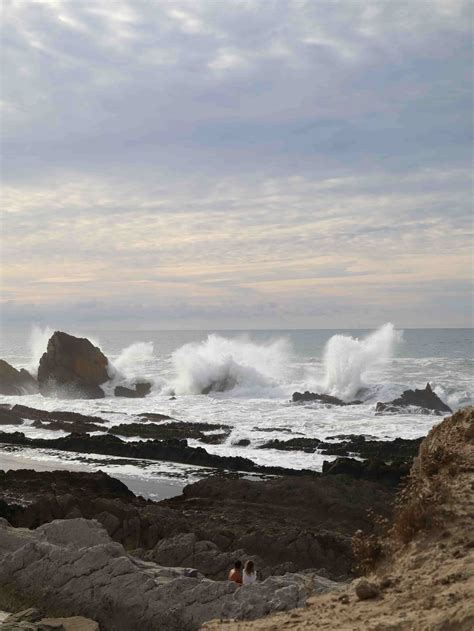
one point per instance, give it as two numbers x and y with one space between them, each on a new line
251 376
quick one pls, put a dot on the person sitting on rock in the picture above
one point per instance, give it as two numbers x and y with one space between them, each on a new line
236 573
249 574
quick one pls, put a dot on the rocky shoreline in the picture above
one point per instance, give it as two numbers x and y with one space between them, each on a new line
88 540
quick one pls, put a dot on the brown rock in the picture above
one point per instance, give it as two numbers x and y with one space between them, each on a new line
72 367
365 590
16 382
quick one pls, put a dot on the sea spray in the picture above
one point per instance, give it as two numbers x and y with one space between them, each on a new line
132 363
218 364
347 359
38 343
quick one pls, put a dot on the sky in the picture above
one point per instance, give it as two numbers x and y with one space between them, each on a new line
236 163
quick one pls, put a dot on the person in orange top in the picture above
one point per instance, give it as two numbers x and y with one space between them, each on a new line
236 573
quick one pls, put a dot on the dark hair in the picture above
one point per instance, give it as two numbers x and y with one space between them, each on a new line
249 567
238 565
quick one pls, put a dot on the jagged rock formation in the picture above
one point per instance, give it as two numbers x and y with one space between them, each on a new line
424 564
289 523
73 566
72 367
16 382
425 400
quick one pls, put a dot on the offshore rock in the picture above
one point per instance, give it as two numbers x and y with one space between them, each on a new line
299 397
427 400
141 390
72 367
55 421
15 382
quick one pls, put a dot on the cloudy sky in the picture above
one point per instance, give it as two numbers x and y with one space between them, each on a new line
236 163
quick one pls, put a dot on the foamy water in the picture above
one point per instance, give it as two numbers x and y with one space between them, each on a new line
251 377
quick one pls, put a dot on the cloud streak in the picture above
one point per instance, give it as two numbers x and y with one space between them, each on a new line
251 163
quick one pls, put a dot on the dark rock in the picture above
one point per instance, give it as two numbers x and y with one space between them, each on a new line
427 400
140 391
290 523
166 450
243 442
65 421
376 470
15 382
155 416
169 431
72 368
220 385
388 450
299 397
365 590
308 445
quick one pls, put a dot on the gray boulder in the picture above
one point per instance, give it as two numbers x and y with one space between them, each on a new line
73 566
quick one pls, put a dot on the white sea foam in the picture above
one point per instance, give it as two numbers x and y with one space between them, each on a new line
132 363
347 359
38 342
218 364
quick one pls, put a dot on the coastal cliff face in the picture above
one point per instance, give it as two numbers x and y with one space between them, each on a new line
423 576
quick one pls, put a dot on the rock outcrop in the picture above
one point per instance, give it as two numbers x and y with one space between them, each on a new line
423 576
425 400
141 389
32 619
327 399
16 382
72 367
166 450
287 523
74 567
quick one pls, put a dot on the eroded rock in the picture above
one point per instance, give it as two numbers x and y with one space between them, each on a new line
15 382
72 367
425 400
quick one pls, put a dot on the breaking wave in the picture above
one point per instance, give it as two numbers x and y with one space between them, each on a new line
218 364
347 359
133 363
38 343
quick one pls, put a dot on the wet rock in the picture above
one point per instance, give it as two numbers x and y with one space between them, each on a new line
366 590
15 382
426 400
141 390
242 442
220 385
308 445
170 431
388 450
166 450
72 367
55 421
299 397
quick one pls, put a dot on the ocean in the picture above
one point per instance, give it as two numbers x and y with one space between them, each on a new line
262 369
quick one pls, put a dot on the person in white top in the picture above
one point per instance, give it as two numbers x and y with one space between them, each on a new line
249 575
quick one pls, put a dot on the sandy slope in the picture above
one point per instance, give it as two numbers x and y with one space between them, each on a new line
426 583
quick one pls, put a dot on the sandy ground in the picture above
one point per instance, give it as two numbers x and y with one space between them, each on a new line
425 585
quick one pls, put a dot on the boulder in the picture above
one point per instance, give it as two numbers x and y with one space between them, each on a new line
365 590
72 367
327 399
15 382
101 581
141 390
425 400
